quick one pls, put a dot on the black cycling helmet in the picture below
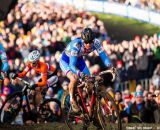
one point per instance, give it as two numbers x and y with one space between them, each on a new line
87 35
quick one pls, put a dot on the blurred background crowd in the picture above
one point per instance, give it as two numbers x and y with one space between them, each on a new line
153 5
50 27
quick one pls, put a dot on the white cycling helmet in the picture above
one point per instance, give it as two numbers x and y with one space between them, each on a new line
34 56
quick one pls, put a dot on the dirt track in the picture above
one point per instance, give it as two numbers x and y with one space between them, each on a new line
61 126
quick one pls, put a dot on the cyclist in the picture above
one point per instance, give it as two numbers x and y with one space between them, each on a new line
46 71
73 64
4 64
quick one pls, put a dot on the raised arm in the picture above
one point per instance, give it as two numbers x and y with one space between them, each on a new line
102 53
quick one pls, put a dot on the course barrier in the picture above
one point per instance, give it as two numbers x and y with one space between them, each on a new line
132 84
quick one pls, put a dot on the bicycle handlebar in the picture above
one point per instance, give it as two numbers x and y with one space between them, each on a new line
111 71
92 78
22 80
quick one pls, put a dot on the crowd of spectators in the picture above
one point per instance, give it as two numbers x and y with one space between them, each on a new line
135 59
153 5
50 27
139 106
47 27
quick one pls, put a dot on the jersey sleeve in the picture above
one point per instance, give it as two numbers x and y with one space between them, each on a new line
44 72
52 69
25 71
4 59
73 57
102 53
75 48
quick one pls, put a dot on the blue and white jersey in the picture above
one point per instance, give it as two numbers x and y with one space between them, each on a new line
75 50
3 57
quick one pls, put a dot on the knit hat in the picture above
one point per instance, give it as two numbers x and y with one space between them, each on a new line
140 93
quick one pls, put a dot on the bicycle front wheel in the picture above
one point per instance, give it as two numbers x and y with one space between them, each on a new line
108 113
11 107
65 102
73 120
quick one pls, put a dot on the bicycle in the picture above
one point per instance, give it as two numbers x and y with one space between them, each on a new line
102 109
13 105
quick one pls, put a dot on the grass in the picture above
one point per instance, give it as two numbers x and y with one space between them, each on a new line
121 28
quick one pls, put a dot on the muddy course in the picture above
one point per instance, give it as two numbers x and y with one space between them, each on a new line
62 126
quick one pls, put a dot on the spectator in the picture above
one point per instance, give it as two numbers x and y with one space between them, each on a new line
121 70
127 103
151 88
118 100
145 95
141 63
152 105
132 71
139 88
156 76
157 111
126 113
128 56
139 111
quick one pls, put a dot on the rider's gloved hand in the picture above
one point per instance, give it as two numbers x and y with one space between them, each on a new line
33 86
14 76
114 70
109 66
114 73
82 75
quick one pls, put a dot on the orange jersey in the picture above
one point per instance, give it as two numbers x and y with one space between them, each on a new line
42 68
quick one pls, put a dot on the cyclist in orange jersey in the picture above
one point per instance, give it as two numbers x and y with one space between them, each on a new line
45 70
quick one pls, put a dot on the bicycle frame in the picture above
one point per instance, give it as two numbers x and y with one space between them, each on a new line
24 92
97 108
92 101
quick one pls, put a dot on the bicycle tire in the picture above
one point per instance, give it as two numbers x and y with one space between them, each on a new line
105 121
46 113
65 104
70 118
8 115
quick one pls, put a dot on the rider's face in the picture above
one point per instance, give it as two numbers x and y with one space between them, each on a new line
34 64
87 45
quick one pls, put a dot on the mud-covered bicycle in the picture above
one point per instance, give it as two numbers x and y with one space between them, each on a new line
100 108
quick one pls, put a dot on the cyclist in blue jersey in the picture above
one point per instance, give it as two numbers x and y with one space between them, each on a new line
73 64
4 64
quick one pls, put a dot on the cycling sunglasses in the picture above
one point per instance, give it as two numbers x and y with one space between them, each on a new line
34 63
88 42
